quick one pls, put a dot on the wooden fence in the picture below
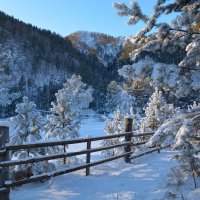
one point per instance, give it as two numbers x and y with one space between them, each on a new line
5 163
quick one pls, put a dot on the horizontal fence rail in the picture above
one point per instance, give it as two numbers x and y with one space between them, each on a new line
64 155
5 163
61 172
73 141
147 152
63 142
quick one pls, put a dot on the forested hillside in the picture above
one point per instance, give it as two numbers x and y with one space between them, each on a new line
39 61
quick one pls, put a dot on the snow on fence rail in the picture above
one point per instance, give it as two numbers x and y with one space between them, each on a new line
5 148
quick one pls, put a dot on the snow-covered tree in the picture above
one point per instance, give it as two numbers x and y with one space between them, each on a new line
29 125
125 101
193 107
6 83
147 73
166 133
170 37
175 180
117 126
119 98
136 119
156 111
114 126
112 94
70 101
190 163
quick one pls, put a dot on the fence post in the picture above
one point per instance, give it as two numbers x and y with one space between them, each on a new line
64 148
4 172
88 157
127 148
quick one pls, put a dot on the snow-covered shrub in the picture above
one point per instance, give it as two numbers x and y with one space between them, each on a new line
114 126
117 126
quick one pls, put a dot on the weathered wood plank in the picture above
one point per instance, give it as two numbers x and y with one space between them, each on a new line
142 154
62 155
143 134
63 142
61 172
2 152
128 128
88 157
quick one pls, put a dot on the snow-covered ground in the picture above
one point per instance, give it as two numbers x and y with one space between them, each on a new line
143 179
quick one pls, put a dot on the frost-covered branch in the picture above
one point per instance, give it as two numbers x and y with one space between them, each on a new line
187 14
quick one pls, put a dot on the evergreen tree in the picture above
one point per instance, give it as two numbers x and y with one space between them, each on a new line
71 100
114 126
6 84
155 111
190 163
182 78
119 98
175 180
29 125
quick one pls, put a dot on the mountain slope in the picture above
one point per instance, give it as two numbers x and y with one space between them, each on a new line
105 47
39 61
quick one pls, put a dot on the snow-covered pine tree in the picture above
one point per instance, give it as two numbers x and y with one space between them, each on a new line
190 163
179 35
125 101
155 112
118 97
29 125
114 126
6 83
70 101
65 121
194 107
113 91
175 180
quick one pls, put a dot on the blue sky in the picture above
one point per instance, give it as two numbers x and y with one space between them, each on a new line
67 16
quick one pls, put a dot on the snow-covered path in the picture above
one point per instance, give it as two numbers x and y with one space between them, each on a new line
143 179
